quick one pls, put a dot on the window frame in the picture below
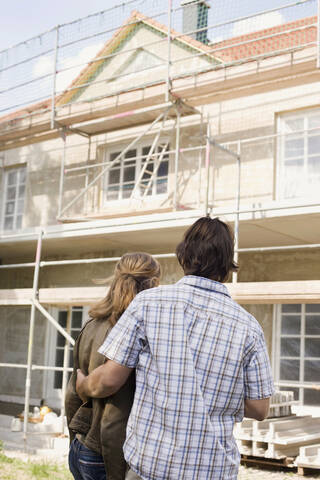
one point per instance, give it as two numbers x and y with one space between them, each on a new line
117 148
17 198
308 189
277 336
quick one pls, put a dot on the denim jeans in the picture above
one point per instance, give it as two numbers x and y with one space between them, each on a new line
85 464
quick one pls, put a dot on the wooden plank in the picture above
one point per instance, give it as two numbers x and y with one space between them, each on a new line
242 292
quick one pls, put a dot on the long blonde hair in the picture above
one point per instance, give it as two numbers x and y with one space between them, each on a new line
133 273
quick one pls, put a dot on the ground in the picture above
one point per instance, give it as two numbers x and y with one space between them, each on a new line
18 466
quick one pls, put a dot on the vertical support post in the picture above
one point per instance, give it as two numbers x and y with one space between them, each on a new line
176 161
237 215
54 83
63 161
31 335
85 197
207 167
200 160
318 35
65 366
169 51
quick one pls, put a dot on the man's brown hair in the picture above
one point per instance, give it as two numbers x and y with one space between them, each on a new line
207 250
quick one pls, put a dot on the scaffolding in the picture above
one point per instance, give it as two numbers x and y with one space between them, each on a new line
206 71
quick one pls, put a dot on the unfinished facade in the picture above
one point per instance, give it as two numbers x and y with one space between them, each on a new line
131 125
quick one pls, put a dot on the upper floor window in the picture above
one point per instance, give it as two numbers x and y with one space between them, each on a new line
298 350
13 198
299 166
137 173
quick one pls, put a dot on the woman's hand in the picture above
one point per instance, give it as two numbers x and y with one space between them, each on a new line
80 385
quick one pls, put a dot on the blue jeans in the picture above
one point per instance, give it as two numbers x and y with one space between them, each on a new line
85 464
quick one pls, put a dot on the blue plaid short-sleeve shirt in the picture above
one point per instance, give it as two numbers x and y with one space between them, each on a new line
197 355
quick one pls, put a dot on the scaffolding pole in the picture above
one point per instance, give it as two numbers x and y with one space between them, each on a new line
207 169
168 82
63 161
237 215
65 369
176 162
53 96
31 336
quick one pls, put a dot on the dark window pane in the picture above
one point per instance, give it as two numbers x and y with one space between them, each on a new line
313 325
290 324
129 174
312 371
290 370
131 154
59 357
62 319
313 308
8 223
312 347
57 380
146 150
12 178
74 334
114 176
9 208
71 358
291 308
311 397
76 319
11 193
113 156
60 340
290 347
163 169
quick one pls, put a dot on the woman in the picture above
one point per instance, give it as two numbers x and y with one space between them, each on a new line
98 427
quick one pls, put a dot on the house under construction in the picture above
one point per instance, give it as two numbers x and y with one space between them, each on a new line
118 131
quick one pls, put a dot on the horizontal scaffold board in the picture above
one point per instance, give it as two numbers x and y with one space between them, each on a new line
242 292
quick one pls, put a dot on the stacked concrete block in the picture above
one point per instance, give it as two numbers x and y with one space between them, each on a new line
277 438
309 457
280 404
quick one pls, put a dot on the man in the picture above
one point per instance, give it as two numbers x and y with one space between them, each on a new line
201 365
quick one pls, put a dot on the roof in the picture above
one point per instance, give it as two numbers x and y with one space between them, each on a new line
280 37
292 34
117 38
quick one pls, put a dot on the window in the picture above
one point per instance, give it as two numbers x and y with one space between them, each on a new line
136 167
13 200
299 169
73 329
298 350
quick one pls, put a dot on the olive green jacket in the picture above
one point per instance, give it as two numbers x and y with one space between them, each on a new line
100 421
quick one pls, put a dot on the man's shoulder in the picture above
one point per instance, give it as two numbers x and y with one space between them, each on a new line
161 292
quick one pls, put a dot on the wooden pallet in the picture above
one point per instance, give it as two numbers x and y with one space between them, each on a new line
286 462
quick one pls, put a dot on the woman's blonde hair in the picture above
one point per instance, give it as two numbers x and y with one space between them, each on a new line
133 273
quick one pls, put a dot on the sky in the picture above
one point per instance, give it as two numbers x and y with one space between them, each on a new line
23 19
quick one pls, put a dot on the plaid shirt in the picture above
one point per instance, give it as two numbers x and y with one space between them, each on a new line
197 355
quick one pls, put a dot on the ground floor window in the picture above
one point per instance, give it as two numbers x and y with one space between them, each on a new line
298 351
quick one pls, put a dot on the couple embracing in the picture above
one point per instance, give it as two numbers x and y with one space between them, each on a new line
162 373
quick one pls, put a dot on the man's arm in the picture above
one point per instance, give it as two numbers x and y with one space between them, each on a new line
257 409
103 381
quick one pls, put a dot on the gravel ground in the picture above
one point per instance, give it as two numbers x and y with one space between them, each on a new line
245 473
252 473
